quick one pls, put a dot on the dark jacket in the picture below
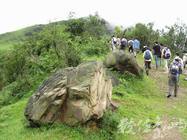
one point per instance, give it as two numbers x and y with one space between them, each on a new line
157 50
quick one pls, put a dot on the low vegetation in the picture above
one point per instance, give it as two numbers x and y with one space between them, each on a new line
41 50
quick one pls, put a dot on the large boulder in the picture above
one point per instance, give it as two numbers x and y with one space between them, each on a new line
71 96
122 62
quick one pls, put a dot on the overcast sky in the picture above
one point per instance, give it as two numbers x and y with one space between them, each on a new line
16 14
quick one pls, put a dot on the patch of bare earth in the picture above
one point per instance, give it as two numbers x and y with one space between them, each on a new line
164 132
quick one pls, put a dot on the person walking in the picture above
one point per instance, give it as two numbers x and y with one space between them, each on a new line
147 55
130 44
136 46
175 70
113 43
157 54
173 79
162 48
123 43
166 55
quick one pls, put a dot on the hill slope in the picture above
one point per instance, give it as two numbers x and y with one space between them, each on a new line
7 40
142 104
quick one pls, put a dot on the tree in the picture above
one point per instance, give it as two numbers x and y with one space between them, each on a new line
118 31
175 36
75 26
95 26
144 33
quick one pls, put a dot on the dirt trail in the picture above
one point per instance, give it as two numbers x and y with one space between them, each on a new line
165 131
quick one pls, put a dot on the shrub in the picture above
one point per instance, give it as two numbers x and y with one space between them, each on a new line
96 47
110 122
41 52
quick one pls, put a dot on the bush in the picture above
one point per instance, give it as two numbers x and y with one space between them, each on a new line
71 56
20 72
110 122
96 47
12 65
54 46
13 92
75 26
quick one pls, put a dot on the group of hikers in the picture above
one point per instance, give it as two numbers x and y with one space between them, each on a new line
174 69
161 53
122 43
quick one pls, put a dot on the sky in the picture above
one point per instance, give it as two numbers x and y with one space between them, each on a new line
17 14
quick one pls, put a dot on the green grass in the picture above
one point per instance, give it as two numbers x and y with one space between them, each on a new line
139 99
142 99
8 39
5 46
13 127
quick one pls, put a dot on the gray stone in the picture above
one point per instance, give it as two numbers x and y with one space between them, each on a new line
71 96
123 62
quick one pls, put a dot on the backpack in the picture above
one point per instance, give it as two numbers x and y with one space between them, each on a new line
180 68
167 53
147 55
179 64
174 70
123 42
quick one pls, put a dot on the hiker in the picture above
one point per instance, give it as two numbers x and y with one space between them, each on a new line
114 43
166 55
136 46
185 59
173 79
174 72
123 43
130 44
147 55
157 54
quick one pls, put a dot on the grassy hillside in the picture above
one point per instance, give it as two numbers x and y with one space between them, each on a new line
8 40
139 100
42 50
